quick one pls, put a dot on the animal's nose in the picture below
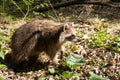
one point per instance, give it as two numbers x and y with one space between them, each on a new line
76 39
73 36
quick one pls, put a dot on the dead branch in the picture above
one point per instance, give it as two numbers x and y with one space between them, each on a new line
75 2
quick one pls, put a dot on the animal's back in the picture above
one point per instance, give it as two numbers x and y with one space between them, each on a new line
21 34
26 31
35 37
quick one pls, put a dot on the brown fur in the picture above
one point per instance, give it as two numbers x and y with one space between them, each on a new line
38 36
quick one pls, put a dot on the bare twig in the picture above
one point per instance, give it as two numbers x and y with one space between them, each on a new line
73 2
54 11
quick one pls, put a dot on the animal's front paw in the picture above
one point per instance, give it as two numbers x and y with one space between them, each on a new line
57 60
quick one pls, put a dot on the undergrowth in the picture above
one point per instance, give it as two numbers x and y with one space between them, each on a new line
4 46
102 38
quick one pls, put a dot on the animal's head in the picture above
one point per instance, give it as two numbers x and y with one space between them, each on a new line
68 33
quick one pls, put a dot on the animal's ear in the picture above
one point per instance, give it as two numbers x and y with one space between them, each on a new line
72 24
66 27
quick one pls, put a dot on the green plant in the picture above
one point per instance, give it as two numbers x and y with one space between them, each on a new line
118 74
73 61
96 77
103 39
3 39
2 55
100 38
52 70
42 78
116 41
2 66
116 44
3 46
9 19
68 75
21 8
1 78
68 69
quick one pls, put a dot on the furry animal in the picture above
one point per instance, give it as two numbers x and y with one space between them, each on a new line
39 36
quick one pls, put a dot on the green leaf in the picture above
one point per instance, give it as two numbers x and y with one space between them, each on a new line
96 77
68 74
2 55
5 39
1 78
118 74
0 45
100 39
51 70
116 39
2 66
73 61
2 31
26 2
42 78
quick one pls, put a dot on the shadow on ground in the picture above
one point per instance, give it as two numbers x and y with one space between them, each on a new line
24 66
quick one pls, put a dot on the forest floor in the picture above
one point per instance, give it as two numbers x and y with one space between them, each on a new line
99 48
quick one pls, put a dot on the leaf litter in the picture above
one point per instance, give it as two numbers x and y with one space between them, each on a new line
98 60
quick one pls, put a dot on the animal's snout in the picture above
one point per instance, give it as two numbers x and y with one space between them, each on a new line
73 36
70 38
